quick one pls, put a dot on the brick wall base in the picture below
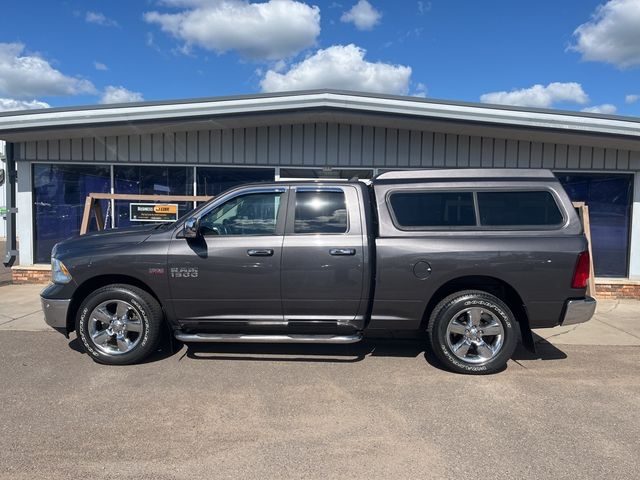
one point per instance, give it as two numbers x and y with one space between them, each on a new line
31 274
617 289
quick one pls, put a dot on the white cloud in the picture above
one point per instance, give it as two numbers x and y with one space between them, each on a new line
612 35
604 108
420 90
271 30
424 7
632 98
8 104
114 94
342 67
362 15
32 76
100 19
539 95
100 66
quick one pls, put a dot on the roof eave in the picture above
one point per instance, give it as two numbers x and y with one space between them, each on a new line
296 101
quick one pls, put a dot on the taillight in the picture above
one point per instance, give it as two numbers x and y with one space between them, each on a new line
583 267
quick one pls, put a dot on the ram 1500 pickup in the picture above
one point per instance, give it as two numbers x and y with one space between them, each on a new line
473 259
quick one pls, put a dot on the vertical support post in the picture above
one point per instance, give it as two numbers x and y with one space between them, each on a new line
86 215
112 190
25 232
586 224
195 185
634 251
10 197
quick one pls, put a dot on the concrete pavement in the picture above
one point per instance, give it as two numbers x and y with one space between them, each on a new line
334 412
617 322
377 409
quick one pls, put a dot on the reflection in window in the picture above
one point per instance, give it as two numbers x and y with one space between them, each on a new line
320 212
252 214
513 209
151 180
609 198
433 209
345 174
59 194
213 181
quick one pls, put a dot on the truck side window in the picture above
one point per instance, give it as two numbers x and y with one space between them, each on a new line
433 209
320 212
251 214
513 209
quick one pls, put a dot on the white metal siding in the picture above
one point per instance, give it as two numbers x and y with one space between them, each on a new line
329 144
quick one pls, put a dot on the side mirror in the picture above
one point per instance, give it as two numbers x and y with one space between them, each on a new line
191 228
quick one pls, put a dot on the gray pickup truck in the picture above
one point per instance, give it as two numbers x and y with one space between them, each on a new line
472 258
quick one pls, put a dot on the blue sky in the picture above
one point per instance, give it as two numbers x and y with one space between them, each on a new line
88 51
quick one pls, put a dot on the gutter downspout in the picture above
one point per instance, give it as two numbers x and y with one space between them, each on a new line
10 195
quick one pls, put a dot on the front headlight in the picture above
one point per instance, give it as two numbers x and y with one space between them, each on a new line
59 273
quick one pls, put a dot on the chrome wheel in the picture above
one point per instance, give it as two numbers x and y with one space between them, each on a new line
115 327
475 335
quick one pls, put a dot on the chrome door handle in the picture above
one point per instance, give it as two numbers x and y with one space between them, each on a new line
342 251
264 252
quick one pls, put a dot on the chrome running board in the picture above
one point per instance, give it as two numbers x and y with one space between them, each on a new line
247 338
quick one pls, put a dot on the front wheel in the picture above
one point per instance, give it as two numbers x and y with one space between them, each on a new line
119 324
473 332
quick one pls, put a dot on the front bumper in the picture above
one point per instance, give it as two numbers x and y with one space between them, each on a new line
55 312
578 311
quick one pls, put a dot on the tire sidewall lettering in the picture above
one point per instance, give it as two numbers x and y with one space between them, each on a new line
453 308
85 312
491 306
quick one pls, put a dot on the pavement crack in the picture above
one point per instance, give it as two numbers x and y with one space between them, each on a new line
558 334
22 316
619 329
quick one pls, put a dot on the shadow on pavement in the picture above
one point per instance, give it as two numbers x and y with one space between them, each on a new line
319 353
544 351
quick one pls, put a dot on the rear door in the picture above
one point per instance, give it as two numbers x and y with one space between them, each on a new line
323 257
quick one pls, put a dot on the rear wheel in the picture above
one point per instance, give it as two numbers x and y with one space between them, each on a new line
119 324
472 331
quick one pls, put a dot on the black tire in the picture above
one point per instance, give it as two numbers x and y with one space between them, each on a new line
148 315
458 308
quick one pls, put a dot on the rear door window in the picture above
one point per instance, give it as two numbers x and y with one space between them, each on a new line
320 212
517 209
415 210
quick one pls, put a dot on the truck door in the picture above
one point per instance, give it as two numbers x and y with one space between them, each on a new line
322 259
231 273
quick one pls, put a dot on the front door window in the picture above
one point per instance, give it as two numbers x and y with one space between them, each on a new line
251 214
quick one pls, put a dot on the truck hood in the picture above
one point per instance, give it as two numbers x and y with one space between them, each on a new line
111 238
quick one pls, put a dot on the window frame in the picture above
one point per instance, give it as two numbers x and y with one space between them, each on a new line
478 227
291 212
219 201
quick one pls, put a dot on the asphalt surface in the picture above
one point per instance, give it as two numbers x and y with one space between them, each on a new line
372 410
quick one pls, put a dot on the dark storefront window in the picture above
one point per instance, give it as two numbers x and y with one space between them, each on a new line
320 173
609 198
145 180
212 181
59 193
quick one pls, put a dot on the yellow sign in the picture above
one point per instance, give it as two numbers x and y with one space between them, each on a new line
166 209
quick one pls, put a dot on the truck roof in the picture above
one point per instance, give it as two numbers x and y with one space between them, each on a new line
461 174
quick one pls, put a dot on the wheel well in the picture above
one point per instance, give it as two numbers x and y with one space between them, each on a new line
492 285
93 284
